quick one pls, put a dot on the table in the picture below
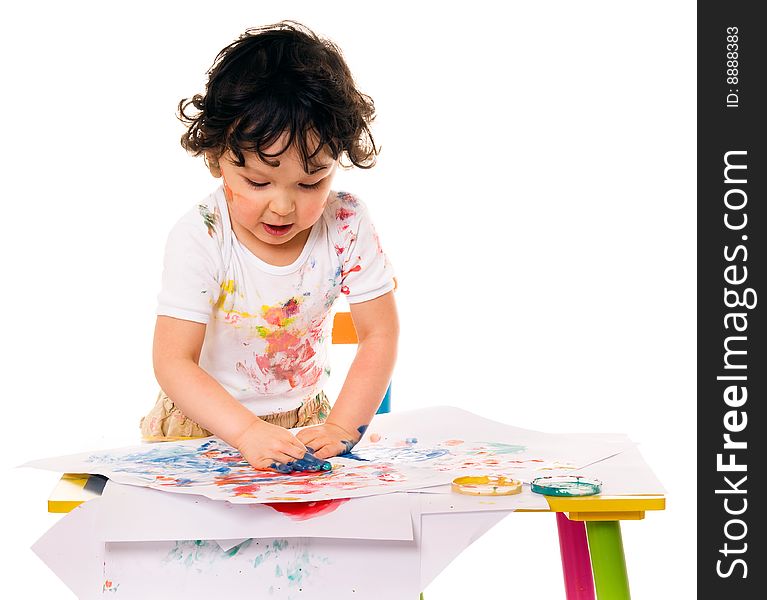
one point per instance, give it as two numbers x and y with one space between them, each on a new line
591 545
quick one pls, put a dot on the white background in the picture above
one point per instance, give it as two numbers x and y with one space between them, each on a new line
535 193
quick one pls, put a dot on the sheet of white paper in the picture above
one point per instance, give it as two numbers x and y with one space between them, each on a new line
448 439
277 568
72 550
212 468
442 537
149 515
623 473
414 450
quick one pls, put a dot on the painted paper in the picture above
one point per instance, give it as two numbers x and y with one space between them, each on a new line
401 451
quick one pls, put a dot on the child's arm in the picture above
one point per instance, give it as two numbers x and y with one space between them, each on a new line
176 352
369 375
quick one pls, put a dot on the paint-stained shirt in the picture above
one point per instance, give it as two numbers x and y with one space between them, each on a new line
268 327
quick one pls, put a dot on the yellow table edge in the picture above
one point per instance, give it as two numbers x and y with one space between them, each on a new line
70 492
604 508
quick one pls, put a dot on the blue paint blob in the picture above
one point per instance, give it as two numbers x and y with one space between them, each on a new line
310 463
281 468
411 440
362 429
355 457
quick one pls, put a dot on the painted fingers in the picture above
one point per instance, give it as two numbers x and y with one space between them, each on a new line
309 462
327 440
266 446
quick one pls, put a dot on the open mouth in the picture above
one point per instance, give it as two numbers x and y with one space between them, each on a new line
277 230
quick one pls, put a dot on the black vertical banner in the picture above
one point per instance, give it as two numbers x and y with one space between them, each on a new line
732 299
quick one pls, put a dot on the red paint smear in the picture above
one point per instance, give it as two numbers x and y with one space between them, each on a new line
227 191
352 270
302 511
246 489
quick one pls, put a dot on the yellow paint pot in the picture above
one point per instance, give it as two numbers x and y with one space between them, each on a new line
486 485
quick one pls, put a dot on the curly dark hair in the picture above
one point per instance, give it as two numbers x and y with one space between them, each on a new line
274 80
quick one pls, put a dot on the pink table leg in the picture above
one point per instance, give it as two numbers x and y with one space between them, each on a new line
576 564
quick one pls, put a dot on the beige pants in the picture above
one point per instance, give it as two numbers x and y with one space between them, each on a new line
165 422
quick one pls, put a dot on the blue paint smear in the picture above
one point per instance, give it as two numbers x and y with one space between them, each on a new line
282 468
353 456
186 464
309 462
403 455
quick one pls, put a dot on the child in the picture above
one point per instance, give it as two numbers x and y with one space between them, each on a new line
251 273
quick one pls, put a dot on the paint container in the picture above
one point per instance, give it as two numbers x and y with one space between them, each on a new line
486 485
566 485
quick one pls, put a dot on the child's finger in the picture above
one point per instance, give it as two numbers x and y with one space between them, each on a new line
329 449
305 436
281 467
293 451
311 463
268 464
292 447
278 457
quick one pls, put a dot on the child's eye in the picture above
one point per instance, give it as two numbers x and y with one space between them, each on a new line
310 186
255 184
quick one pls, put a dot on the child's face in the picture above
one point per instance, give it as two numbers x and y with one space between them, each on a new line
273 208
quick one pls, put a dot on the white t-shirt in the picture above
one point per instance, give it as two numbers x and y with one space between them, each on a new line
267 327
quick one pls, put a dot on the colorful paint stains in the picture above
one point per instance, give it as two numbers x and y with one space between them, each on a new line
348 199
289 354
406 453
455 455
303 511
212 468
225 474
211 219
200 555
354 269
109 586
343 213
290 563
225 305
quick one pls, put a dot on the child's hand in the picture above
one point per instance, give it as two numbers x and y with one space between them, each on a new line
266 446
328 439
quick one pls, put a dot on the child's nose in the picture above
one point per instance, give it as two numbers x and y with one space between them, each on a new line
282 204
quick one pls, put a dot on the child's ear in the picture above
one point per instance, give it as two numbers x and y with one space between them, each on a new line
211 160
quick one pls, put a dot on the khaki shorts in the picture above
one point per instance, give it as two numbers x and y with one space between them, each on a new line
166 423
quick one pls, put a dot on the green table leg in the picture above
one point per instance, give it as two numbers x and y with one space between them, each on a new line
607 560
